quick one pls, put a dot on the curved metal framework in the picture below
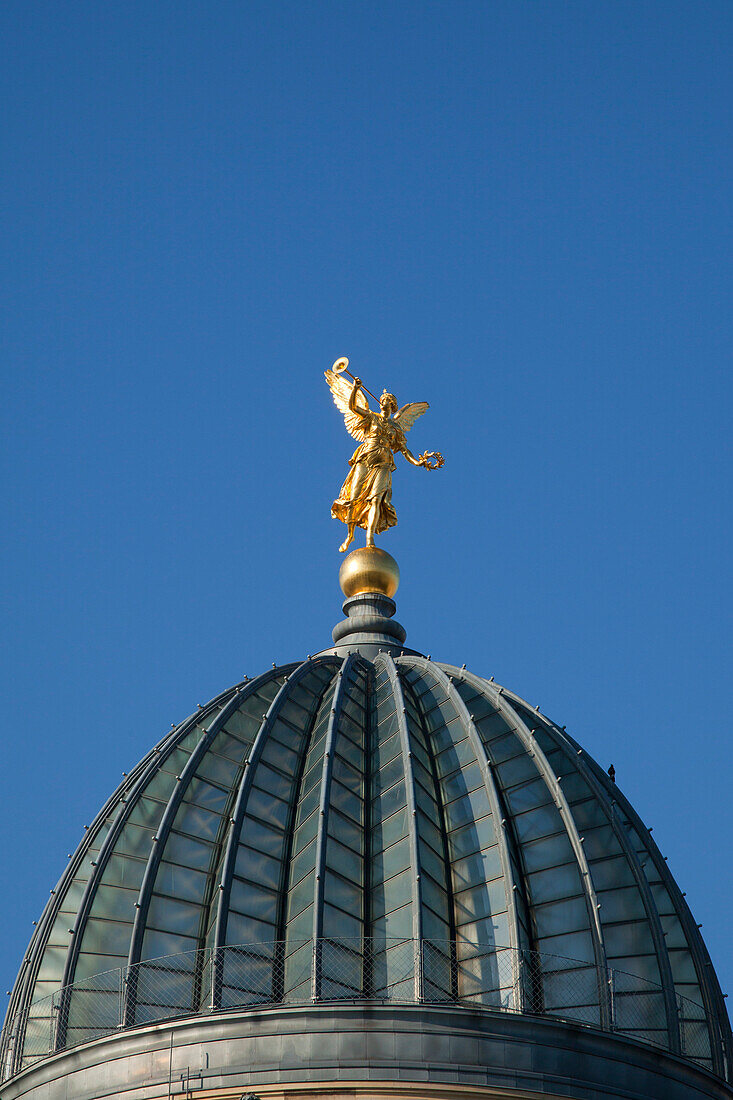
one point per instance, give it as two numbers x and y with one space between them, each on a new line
340 814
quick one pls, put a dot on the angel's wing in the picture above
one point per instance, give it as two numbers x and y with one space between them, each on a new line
356 422
409 413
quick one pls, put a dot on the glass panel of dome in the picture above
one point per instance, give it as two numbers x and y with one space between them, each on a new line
257 867
347 802
344 859
422 774
622 905
340 925
346 895
392 893
351 752
462 782
272 782
543 823
265 838
111 901
454 755
180 882
106 937
629 939
471 807
418 746
388 802
198 822
428 831
303 862
433 894
385 751
159 943
348 865
300 927
306 832
554 884
244 929
188 851
53 960
353 710
385 831
428 808
259 902
589 814
219 769
431 861
480 901
178 758
261 804
347 775
396 924
308 804
568 915
390 861
481 866
351 729
313 767
170 915
289 734
278 756
471 838
528 795
434 928
146 812
134 841
301 896
88 966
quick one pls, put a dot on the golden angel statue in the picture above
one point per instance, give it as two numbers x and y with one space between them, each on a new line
365 499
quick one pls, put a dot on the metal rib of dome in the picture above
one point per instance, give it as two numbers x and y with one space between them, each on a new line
364 803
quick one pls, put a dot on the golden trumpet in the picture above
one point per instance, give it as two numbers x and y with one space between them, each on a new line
340 367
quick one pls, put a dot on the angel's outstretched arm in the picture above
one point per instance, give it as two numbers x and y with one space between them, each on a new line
410 456
353 396
424 459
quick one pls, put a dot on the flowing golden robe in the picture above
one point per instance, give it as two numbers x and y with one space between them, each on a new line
370 476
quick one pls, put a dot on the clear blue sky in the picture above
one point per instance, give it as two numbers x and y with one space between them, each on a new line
519 212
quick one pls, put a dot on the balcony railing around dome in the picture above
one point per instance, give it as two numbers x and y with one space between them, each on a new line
431 972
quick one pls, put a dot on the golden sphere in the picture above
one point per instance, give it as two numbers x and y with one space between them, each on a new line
369 570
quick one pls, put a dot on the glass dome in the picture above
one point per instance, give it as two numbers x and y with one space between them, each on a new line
371 828
367 824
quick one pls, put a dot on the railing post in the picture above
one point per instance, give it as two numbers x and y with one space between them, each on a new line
213 974
417 962
51 1021
314 971
121 1000
129 985
611 999
518 974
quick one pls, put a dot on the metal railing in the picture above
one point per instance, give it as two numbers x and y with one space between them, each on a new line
400 971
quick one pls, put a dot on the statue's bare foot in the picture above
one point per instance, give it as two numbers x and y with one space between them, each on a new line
345 545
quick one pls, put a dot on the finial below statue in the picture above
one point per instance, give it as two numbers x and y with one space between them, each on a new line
365 499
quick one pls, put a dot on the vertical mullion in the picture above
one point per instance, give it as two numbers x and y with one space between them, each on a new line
345 678
417 922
